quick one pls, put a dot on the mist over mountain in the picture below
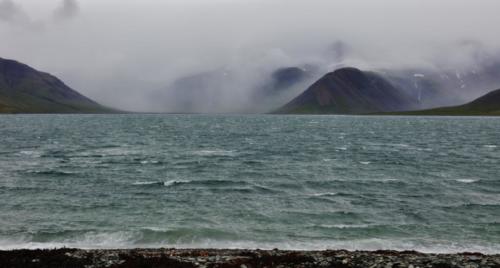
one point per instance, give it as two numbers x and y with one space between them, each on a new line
450 84
227 91
258 91
135 60
198 93
285 78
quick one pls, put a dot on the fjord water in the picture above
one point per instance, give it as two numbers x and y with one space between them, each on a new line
250 181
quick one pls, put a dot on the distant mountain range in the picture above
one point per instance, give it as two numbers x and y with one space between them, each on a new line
352 91
346 90
26 90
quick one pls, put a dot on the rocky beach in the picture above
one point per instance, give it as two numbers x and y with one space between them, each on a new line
229 258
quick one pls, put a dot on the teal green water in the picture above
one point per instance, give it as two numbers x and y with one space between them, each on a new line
252 181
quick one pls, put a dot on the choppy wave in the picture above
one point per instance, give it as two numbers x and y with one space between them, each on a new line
467 180
35 154
225 184
161 183
324 194
345 226
148 183
52 172
252 181
154 162
216 152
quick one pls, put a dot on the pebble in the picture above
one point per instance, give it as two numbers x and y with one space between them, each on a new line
242 259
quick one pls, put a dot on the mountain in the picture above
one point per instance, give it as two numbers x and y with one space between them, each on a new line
204 92
472 72
284 78
446 87
488 104
229 91
350 91
26 90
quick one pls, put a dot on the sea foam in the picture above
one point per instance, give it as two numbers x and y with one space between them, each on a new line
163 183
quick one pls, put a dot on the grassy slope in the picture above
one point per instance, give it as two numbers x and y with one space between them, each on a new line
487 105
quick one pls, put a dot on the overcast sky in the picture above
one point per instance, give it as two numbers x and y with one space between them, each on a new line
117 51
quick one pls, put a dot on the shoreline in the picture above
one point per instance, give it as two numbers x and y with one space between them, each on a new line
239 258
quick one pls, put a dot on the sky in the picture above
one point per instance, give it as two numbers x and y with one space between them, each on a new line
122 52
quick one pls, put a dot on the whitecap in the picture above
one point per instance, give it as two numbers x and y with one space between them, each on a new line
31 153
174 182
145 162
401 145
147 182
214 153
466 180
491 146
365 162
163 183
90 240
345 226
324 194
388 180
130 240
155 229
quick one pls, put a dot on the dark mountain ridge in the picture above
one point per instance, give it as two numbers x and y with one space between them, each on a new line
350 91
26 90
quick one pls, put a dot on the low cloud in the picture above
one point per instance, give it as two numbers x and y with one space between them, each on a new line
127 57
68 9
12 13
15 15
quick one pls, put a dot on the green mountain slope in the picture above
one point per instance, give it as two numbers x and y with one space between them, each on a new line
488 104
26 90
